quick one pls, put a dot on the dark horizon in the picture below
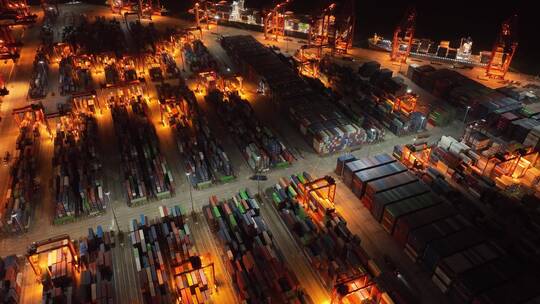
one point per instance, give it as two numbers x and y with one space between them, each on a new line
436 21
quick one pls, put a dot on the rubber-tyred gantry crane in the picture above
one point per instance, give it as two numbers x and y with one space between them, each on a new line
503 50
334 27
274 21
16 10
144 9
204 12
403 36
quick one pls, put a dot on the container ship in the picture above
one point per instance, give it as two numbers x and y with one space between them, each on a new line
442 52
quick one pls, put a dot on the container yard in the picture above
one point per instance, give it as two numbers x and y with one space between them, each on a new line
146 173
168 267
377 98
197 56
204 157
23 181
67 271
439 233
261 149
461 92
306 206
78 181
252 258
436 148
326 129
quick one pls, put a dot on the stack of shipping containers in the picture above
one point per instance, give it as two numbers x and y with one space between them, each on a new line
96 273
254 261
326 129
77 182
460 91
145 171
432 231
17 203
168 266
259 146
331 248
10 279
202 153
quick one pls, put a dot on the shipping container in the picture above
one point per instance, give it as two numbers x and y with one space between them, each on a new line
483 278
450 267
381 200
453 243
19 199
420 218
421 237
10 279
326 129
362 178
331 248
261 148
77 177
255 262
363 164
393 212
341 162
386 184
145 170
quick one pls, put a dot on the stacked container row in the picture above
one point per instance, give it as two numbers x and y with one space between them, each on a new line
17 205
254 261
260 147
166 260
203 154
77 181
145 170
328 130
327 242
96 260
10 280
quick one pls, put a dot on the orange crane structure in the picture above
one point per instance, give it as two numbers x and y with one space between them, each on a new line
204 12
503 50
9 47
144 9
274 21
334 27
17 11
403 37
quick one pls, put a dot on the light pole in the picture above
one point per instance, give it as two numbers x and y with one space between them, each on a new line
108 195
188 174
217 23
466 112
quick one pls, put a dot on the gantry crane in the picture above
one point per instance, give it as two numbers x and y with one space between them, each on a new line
144 9
274 21
43 248
34 113
16 10
204 12
321 192
355 283
503 50
403 37
333 27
